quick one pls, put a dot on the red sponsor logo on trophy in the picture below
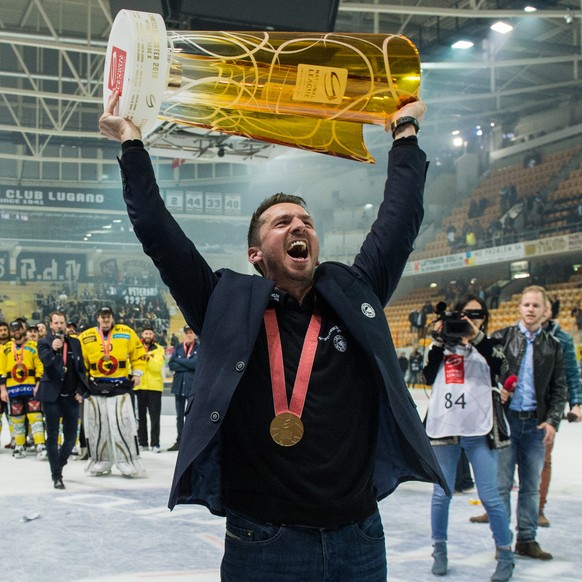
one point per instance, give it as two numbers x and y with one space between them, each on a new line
117 69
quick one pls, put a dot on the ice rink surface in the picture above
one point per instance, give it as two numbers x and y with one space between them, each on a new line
115 529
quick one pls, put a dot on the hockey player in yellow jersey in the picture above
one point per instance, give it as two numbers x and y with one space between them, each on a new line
20 373
115 360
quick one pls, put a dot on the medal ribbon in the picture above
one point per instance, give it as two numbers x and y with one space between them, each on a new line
278 371
65 348
106 345
18 354
188 349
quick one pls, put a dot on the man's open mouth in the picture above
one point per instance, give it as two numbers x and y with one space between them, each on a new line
298 250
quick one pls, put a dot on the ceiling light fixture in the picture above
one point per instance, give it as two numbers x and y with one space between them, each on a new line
502 27
462 44
530 9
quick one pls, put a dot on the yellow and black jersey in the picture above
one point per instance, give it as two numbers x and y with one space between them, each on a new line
115 355
20 367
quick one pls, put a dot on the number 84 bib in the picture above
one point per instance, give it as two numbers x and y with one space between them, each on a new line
461 404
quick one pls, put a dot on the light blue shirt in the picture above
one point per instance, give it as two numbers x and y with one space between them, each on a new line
524 397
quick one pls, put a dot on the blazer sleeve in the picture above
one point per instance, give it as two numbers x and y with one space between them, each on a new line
389 243
182 268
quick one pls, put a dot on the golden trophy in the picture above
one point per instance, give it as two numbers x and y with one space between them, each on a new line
307 90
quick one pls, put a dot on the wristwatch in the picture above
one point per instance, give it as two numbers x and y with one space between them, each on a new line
404 120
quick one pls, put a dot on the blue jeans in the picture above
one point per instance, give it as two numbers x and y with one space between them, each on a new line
261 552
528 452
484 462
65 409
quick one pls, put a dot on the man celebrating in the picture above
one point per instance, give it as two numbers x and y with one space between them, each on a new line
115 360
20 371
149 391
61 390
534 412
300 419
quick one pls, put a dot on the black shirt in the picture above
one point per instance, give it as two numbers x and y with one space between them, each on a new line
326 479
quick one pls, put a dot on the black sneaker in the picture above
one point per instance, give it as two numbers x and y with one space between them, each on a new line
175 447
59 483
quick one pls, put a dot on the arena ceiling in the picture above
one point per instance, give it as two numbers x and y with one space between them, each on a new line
52 56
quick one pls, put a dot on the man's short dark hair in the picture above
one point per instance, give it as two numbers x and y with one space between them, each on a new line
3 324
58 313
255 224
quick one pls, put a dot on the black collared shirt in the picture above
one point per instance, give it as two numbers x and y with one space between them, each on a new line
326 479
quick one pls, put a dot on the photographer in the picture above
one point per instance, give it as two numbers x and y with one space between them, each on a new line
61 390
465 413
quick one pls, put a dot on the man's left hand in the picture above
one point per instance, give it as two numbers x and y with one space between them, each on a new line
550 433
577 410
136 380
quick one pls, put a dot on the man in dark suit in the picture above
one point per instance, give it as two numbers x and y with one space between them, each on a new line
298 481
61 390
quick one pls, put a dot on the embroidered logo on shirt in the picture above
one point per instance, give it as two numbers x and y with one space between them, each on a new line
339 343
368 310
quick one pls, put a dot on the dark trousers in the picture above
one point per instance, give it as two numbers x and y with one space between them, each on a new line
67 409
261 552
181 402
149 401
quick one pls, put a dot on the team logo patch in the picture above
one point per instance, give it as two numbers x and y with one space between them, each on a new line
368 310
19 373
107 365
339 343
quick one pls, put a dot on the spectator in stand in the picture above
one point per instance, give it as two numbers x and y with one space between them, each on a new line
452 236
494 294
415 366
417 322
174 341
532 159
183 363
473 211
509 232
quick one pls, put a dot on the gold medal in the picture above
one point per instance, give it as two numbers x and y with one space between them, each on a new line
106 358
286 429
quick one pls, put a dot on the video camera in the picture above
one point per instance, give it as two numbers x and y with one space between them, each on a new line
454 327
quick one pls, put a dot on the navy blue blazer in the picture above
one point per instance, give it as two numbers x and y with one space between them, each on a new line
51 383
226 309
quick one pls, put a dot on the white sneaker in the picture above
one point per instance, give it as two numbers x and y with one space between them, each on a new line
19 452
155 449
